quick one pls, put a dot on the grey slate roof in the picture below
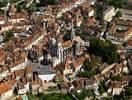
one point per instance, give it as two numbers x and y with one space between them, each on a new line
44 70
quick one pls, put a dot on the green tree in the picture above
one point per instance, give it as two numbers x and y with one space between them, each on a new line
87 74
3 3
106 98
31 96
104 49
18 8
33 7
14 1
85 93
53 2
1 12
101 89
128 91
8 36
88 65
118 14
116 3
89 69
116 78
55 96
98 11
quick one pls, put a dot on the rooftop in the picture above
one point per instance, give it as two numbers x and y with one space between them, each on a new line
127 14
4 87
129 42
19 73
79 61
2 55
67 43
118 84
1 18
129 1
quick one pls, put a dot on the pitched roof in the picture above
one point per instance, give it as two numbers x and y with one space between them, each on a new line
91 21
124 22
60 67
78 84
17 16
2 55
29 69
129 42
67 43
1 18
79 61
112 29
6 24
123 34
127 14
4 87
19 73
127 78
35 82
117 84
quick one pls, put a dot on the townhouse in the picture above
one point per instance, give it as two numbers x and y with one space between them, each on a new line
2 20
17 17
116 87
6 26
120 31
6 89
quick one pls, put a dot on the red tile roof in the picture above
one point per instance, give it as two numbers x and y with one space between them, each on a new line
2 55
4 87
91 21
129 42
17 16
67 43
1 18
79 61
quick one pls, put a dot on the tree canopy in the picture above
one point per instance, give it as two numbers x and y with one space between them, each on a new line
98 11
89 70
87 74
14 1
85 93
116 3
118 14
8 36
33 7
105 49
3 3
102 87
50 96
